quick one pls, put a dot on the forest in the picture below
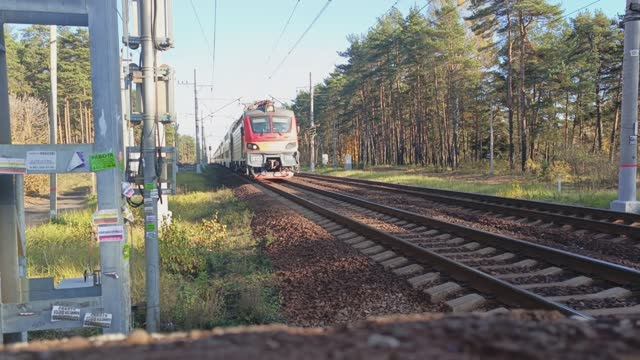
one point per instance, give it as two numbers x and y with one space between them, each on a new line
425 89
29 87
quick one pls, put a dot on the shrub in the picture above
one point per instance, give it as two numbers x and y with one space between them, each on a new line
36 185
185 247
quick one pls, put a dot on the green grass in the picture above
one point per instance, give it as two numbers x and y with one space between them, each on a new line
520 188
214 271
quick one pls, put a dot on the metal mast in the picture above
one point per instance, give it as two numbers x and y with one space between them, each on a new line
198 144
312 141
149 170
53 116
627 200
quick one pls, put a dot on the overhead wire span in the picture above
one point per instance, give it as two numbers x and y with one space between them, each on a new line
221 108
300 38
204 35
284 29
215 27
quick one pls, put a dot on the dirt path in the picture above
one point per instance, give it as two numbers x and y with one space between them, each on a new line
37 209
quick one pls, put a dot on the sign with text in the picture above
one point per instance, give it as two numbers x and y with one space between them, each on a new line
41 161
102 161
110 233
99 320
62 313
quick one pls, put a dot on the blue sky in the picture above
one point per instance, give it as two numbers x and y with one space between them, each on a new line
246 34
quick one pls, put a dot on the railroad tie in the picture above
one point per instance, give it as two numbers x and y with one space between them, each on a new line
355 240
383 256
408 270
394 262
616 292
372 250
440 292
465 303
424 279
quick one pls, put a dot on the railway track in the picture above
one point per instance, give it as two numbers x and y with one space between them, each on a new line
605 224
467 269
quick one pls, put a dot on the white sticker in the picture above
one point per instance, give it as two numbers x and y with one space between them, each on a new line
151 218
62 313
634 52
153 194
127 190
77 160
41 161
110 233
148 209
101 320
106 216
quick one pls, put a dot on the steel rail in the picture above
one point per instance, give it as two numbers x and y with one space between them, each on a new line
503 291
602 269
488 202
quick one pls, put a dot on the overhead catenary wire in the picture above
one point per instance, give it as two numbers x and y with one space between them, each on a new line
564 16
215 28
300 38
284 29
204 35
221 108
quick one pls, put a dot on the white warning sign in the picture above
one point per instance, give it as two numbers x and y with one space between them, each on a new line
38 161
64 313
99 320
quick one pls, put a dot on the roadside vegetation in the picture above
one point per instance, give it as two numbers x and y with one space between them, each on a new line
530 187
214 272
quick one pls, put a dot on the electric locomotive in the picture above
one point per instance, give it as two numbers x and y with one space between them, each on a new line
262 143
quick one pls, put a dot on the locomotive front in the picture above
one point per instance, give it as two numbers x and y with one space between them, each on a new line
270 141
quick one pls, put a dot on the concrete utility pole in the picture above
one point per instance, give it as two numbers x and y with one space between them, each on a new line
198 146
150 180
491 164
312 140
53 116
105 60
9 268
627 200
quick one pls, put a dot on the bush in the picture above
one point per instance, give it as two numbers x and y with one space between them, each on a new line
185 248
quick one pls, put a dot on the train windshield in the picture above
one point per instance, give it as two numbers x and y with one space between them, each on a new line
281 124
260 125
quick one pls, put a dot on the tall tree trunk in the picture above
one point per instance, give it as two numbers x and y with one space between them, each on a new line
523 95
510 89
598 111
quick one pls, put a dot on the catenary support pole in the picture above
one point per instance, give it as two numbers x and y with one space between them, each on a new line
491 164
627 197
149 170
107 112
198 144
53 115
312 140
9 268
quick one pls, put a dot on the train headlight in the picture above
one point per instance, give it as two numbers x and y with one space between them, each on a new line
251 146
291 145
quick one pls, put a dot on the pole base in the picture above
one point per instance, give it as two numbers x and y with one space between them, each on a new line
626 206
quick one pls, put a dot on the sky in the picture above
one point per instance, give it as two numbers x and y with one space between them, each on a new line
246 52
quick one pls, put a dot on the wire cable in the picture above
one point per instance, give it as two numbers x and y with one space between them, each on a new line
284 29
204 35
215 26
300 38
573 12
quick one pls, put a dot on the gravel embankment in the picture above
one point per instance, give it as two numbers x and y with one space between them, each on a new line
323 281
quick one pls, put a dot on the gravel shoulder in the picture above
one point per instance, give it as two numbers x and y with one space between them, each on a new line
323 281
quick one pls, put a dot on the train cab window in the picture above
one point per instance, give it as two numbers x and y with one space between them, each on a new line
260 125
281 124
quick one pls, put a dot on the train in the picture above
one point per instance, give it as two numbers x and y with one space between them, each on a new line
262 143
